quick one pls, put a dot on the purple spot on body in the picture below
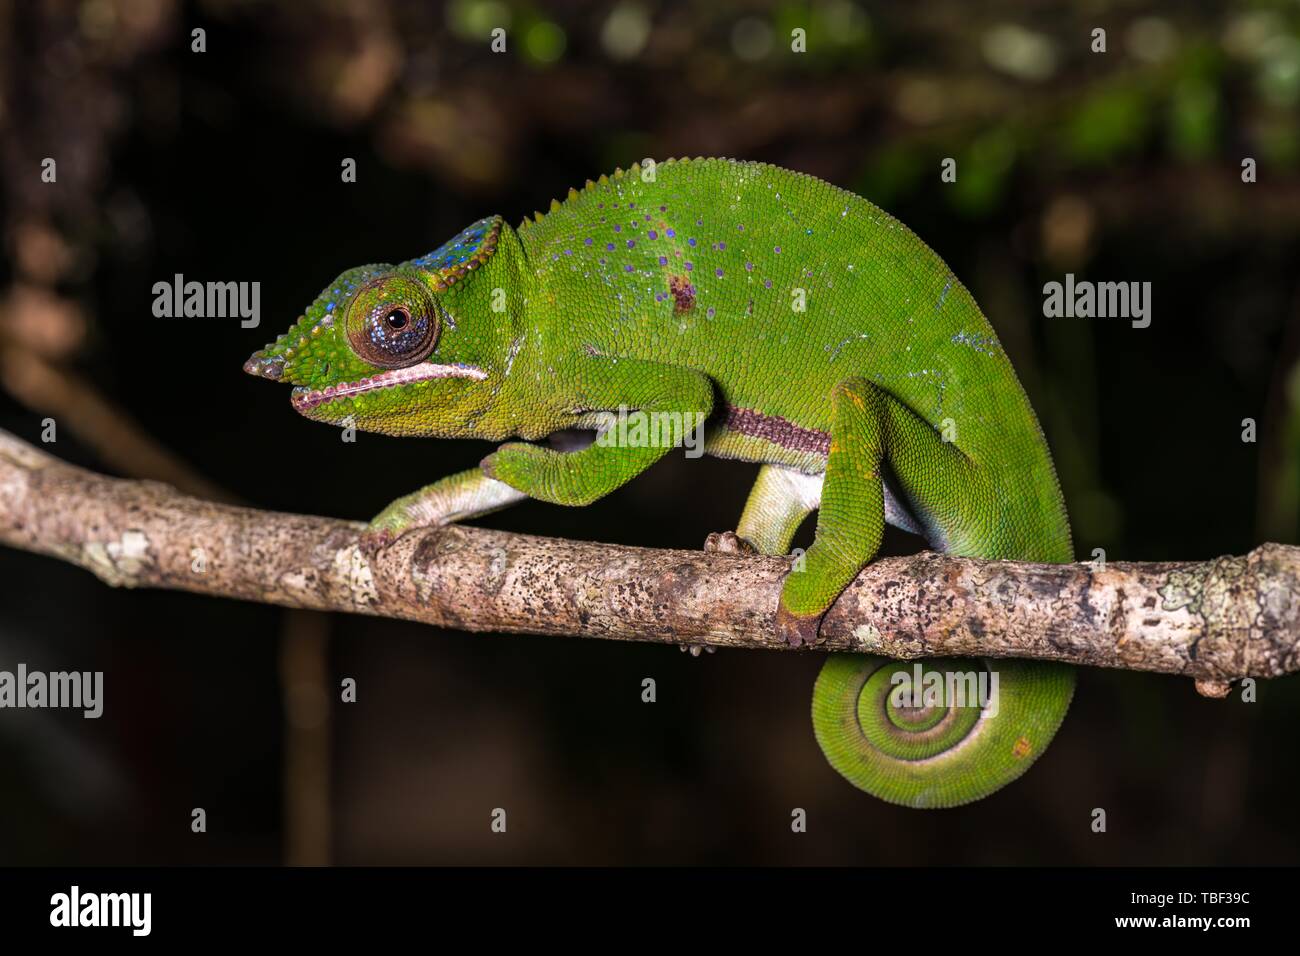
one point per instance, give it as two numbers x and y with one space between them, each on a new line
587 243
690 266
718 272
767 283
699 222
631 205
617 227
663 208
690 242
683 293
652 234
627 268
722 245
631 243
740 228
749 267
710 312
663 260
778 250
609 247
670 233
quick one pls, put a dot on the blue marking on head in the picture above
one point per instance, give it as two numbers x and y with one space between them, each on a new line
458 250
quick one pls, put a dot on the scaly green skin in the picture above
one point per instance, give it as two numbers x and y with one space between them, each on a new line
819 336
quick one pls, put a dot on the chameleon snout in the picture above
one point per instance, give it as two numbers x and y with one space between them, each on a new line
265 366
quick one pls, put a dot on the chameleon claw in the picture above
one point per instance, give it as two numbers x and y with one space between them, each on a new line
694 649
1209 687
728 542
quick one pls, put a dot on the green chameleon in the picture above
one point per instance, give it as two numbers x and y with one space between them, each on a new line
811 331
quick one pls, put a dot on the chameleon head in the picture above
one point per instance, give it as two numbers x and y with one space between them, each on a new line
378 349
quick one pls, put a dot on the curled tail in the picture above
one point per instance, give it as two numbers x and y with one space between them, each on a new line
928 743
990 718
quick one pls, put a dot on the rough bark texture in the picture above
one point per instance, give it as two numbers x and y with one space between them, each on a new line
1215 621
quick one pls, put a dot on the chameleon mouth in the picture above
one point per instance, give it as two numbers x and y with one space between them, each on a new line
305 399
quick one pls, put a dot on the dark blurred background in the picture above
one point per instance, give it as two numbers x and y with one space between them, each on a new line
225 165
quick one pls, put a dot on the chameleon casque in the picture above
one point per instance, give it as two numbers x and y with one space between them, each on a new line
822 339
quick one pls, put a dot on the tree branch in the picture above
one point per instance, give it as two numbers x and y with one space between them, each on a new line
1215 621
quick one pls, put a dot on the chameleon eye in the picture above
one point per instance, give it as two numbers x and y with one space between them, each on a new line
393 323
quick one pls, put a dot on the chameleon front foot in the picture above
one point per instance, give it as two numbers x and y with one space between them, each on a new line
373 540
466 494
389 525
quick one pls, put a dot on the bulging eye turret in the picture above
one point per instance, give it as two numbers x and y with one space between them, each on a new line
393 322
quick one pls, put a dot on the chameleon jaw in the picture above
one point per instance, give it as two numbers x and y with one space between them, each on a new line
305 399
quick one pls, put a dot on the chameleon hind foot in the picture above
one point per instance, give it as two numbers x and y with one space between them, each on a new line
728 542
798 630
695 649
719 542
794 629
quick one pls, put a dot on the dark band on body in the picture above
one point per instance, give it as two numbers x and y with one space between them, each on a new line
777 430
